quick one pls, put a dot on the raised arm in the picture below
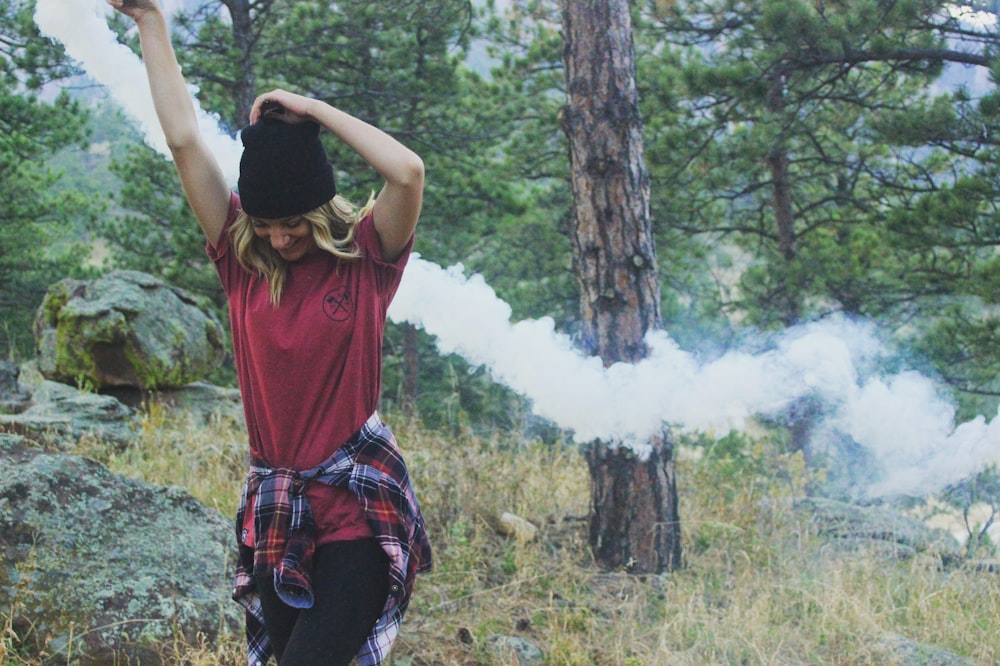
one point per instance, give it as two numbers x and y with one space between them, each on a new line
201 177
397 207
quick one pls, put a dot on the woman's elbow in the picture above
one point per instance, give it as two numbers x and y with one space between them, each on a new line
179 142
411 174
179 150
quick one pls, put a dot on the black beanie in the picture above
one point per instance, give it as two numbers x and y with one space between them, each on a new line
284 169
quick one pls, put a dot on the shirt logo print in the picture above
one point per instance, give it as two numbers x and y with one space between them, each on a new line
337 304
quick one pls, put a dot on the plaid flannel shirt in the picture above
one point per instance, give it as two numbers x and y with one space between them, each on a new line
370 465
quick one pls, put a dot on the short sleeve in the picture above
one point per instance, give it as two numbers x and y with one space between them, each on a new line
388 274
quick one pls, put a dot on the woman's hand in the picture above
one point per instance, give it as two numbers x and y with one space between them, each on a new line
283 105
134 9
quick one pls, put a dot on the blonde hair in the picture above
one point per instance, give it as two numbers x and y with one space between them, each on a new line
333 225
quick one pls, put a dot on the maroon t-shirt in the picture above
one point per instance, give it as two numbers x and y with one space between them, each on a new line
310 369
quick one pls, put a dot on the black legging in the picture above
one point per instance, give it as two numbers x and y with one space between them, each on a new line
350 585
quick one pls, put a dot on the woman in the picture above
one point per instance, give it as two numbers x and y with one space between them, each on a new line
329 531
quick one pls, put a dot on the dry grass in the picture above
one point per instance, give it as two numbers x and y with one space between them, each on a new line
757 586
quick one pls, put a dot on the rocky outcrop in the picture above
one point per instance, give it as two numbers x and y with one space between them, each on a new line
95 567
125 329
102 569
203 401
99 568
60 416
893 534
912 653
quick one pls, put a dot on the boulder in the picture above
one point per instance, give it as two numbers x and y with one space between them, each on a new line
60 416
98 568
522 530
207 402
125 329
204 402
880 528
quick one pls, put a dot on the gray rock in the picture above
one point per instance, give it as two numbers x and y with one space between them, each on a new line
61 416
101 569
208 401
911 653
125 329
14 397
881 528
524 651
205 402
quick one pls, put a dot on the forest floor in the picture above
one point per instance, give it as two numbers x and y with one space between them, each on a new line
758 585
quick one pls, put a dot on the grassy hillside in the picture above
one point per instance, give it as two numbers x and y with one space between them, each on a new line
758 586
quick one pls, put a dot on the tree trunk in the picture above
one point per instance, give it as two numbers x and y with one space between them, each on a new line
243 36
411 367
789 301
633 522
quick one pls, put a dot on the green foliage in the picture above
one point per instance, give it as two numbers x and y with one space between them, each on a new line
521 245
779 113
156 231
28 61
947 283
36 218
736 457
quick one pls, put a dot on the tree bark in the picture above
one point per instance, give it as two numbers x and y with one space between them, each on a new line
789 300
244 88
614 257
634 521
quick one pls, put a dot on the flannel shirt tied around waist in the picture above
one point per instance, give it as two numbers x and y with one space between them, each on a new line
369 464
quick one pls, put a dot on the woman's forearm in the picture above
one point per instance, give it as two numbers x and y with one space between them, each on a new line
171 98
392 160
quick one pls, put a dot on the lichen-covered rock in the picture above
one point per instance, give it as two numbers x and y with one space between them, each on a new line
125 329
60 416
102 569
205 402
514 649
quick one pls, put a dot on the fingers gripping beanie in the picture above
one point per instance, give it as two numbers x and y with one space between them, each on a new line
284 169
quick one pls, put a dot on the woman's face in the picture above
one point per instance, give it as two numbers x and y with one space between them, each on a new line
291 237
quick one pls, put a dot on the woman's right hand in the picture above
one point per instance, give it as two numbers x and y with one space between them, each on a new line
283 105
134 9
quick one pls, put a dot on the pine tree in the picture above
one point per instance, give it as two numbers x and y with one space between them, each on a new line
36 235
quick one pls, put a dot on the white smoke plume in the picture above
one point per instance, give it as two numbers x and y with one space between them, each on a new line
81 26
902 421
